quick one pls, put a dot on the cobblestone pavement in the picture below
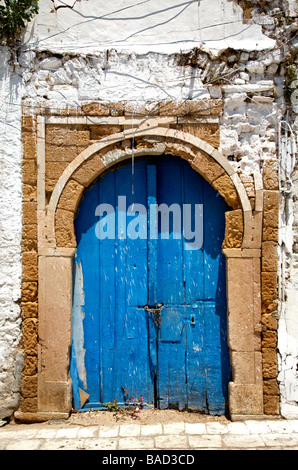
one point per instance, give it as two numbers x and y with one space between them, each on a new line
248 435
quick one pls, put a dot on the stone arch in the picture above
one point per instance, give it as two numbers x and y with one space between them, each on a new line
151 140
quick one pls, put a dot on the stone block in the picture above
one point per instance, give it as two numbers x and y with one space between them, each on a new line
29 213
28 405
184 151
271 405
247 367
29 309
29 146
269 339
226 188
234 229
29 291
55 305
29 386
89 170
29 193
29 338
269 256
66 153
54 170
29 245
207 132
28 123
271 387
71 196
64 225
66 136
207 167
30 366
30 271
242 305
269 322
29 172
271 209
270 369
29 232
270 175
270 234
96 109
54 396
269 286
172 108
246 399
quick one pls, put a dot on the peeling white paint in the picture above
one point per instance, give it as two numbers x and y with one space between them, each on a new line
77 322
143 26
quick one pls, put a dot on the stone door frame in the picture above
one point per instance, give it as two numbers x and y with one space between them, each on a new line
56 247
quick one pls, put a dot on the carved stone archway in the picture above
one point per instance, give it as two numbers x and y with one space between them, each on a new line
57 244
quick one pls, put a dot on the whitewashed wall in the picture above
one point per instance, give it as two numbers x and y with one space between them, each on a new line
10 234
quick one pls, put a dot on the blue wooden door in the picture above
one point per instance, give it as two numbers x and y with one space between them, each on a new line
149 308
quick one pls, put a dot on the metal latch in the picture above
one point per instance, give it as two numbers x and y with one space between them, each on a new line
155 312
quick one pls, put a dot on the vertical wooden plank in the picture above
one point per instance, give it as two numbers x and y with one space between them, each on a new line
193 259
170 292
217 370
132 341
196 358
88 257
214 227
152 233
107 298
170 288
194 290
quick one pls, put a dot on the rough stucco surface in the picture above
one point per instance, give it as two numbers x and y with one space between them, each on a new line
10 236
66 60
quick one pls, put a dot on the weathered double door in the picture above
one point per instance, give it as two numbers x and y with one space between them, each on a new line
149 312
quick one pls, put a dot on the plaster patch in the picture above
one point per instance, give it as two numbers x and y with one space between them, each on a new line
77 322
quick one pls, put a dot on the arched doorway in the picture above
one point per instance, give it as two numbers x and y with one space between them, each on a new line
149 309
